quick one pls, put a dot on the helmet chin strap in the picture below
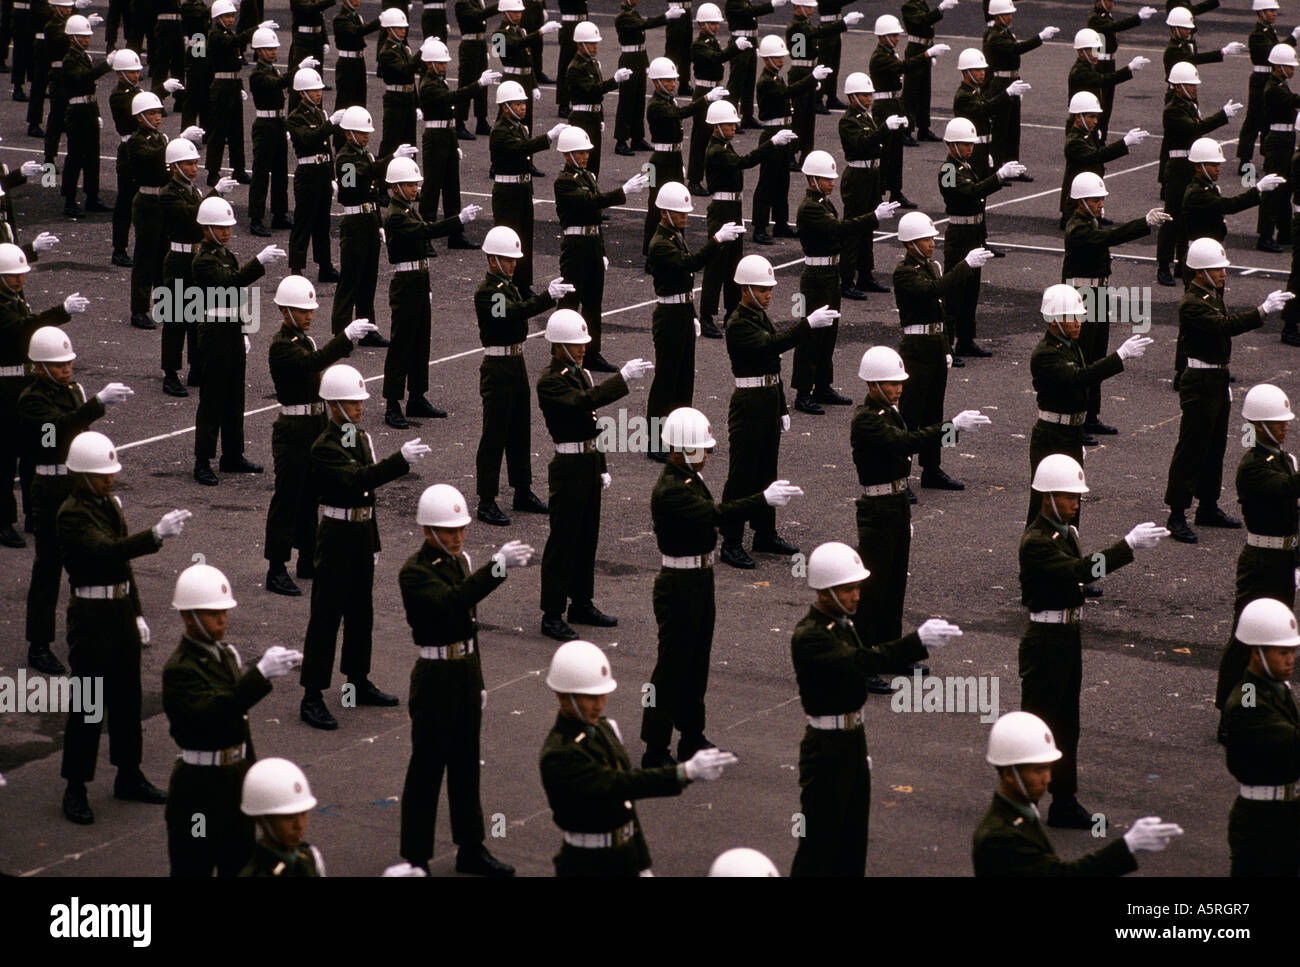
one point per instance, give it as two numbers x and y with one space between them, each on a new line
1259 650
203 632
1055 510
1015 771
564 347
1269 433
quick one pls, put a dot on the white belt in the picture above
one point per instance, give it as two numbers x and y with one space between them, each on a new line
38 36
821 260
22 6
673 300
1078 281
912 39
886 489
219 314
758 382
61 470
581 229
631 48
710 84
581 446
725 196
149 190
270 114
592 108
307 30
924 329
864 163
363 209
1295 209
514 349
882 96
1262 69
80 100
103 592
353 514
13 370
226 76
743 33
802 63
221 757
400 88
1067 617
457 649
965 219
1287 793
351 53
773 122
618 837
436 124
516 70
1288 543
665 146
435 6
983 139
161 16
1105 56
1271 127
182 247
125 138
828 18
1179 153
569 18
1013 75
1065 419
836 723
421 266
1201 364
315 159
302 409
513 179
691 562
482 36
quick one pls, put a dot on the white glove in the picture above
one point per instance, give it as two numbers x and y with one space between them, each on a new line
622 75
783 137
780 493
557 289
672 13
708 764
821 72
171 523
403 869
226 185
334 188
853 17
605 481
896 121
419 115
698 329
44 241
357 329
1232 108
311 62
95 19
75 304
1145 535
537 93
488 78
193 133
82 4
114 393
405 151
514 554
937 51
1146 13
1296 33
604 261
778 4
822 318
555 131
278 661
729 233
885 210
1018 87
1047 33
1269 182
1150 835
383 237
413 450
1010 169
1297 579
1274 301
269 25
936 632
635 369
1137 63
243 95
550 27
1236 47
978 257
970 420
143 627
1133 347
717 93
469 213
172 85
460 154
336 117
948 360
325 49
636 184
482 700
744 43
31 169
272 253
785 423
1135 136
947 4
1158 216
248 345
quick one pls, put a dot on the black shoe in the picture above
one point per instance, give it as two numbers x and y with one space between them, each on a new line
328 273
418 406
43 660
482 127
828 397
598 363
1091 591
1090 441
393 416
1099 428
1178 529
773 543
589 614
373 340
1291 337
306 569
279 582
936 479
461 242
142 320
537 172
462 132
543 79
903 201
878 686
782 230
696 189
1069 815
804 403
527 502
72 210
958 362
35 131
281 222
657 759
834 102
93 206
686 749
762 238
243 177
971 349
134 787
368 694
20 95
709 330
238 464
929 136
1267 245
477 861
312 710
909 141
260 230
736 556
620 147
916 666
554 626
489 513
1163 276
869 284
641 144
1214 517
172 386
852 292
11 538
822 109
203 473
75 806
122 259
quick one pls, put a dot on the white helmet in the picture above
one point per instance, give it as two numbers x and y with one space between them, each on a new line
77 26
511 6
744 861
504 241
434 51
13 260
402 170
573 138
1185 73
215 211
308 79
145 101
1258 5
357 118
510 91
1089 39
1264 403
1180 17
772 46
887 24
1021 738
1059 474
275 787
674 197
662 69
1085 102
819 164
342 382
586 32
92 452
999 7
809 4
971 59
223 7
915 225
201 587
708 13
721 112
262 37
1087 184
127 60
1205 150
833 564
50 344
180 149
754 270
1283 55
1269 623
859 82
442 505
880 364
393 17
566 326
1062 301
686 428
580 668
295 292
959 131
1206 253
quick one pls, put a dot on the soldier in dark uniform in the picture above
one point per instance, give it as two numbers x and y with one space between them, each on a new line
296 365
277 797
1277 124
572 13
587 88
503 316
1093 71
433 20
707 58
629 121
350 33
1181 46
832 666
1291 313
534 16
513 45
56 47
887 67
803 37
1010 839
1263 38
677 45
308 27
920 21
42 12
360 177
742 21
226 98
51 411
860 141
1108 27
145 156
1053 572
195 22
178 206
166 46
1204 205
21 29
270 148
511 149
345 475
106 627
568 398
1003 53
1205 331
974 102
311 131
398 67
207 695
471 54
441 594
81 119
1085 150
664 118
589 780
127 65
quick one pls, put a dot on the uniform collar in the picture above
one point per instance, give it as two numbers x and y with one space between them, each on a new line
1019 807
209 649
432 554
1061 529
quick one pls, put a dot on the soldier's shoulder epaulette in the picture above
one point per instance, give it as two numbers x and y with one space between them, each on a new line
880 412
579 737
830 625
1018 821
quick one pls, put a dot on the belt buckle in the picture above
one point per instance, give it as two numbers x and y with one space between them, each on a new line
622 835
230 756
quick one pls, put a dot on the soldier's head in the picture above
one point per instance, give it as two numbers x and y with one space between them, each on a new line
92 460
352 4
1207 156
888 30
709 17
443 514
78 31
511 10
663 74
574 146
1268 408
1063 310
394 24
917 233
512 100
756 278
182 160
836 573
357 126
276 794
960 137
1002 12
265 44
403 179
63 9
1059 478
1022 750
882 369
51 355
805 10
223 12
1265 11
127 65
567 333
296 299
435 56
674 204
859 90
204 599
582 680
344 391
688 437
1085 111
1208 262
1268 628
1104 6
503 250
1181 24
772 51
148 111
972 66
13 267
1088 192
1283 60
1088 45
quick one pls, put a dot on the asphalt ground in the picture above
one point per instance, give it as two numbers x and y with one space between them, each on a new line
1152 642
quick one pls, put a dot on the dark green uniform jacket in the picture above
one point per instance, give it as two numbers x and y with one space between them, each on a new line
1010 841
